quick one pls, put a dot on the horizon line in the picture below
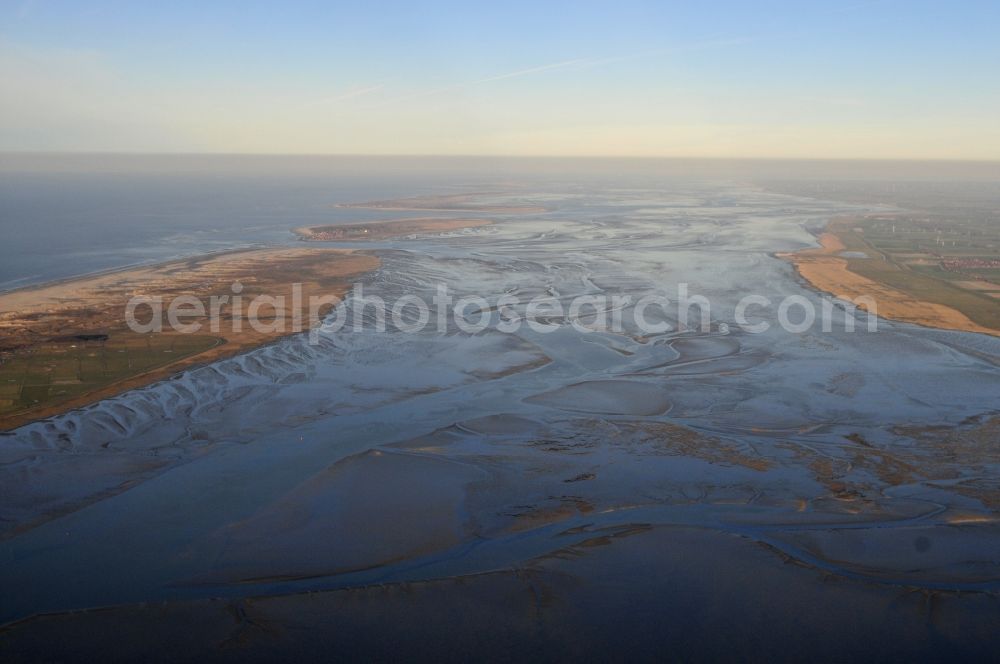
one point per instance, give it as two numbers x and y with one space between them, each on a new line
144 153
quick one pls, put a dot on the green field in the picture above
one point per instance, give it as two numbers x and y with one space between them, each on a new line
907 254
56 371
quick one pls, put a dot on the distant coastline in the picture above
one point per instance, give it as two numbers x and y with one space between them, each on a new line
385 229
472 202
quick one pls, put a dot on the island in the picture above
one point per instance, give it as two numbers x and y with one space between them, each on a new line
386 229
66 344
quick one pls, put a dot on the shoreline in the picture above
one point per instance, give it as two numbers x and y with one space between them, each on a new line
826 270
46 330
72 302
133 266
103 272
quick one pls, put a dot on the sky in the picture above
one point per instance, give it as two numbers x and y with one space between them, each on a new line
774 79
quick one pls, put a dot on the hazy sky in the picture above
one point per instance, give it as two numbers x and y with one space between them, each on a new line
895 79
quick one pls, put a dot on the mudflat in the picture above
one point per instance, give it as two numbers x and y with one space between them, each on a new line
828 495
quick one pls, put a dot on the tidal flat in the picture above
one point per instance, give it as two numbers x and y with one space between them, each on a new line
693 492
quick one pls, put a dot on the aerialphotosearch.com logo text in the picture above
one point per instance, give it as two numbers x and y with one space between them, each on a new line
650 314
